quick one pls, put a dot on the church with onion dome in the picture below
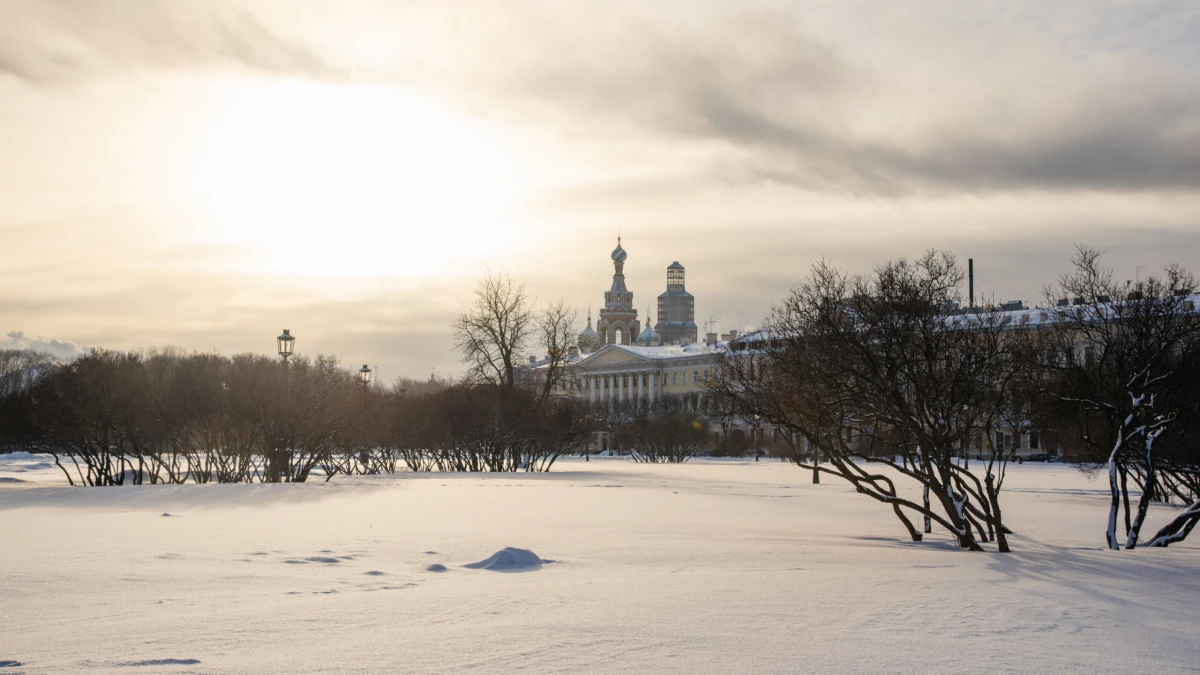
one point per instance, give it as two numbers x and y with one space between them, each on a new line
622 361
618 323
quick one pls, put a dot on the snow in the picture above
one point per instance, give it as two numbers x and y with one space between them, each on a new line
507 559
710 566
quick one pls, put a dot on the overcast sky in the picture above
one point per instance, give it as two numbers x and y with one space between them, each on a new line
205 174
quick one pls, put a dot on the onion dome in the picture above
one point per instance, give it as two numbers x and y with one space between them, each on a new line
588 339
619 254
648 337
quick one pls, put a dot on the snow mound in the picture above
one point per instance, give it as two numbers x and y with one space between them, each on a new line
167 515
6 479
508 558
439 567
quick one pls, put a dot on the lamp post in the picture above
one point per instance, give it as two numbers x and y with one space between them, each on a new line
757 436
364 375
287 344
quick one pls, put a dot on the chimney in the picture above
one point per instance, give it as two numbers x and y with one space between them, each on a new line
733 334
710 338
971 279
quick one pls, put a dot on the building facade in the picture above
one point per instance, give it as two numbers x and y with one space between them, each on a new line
627 373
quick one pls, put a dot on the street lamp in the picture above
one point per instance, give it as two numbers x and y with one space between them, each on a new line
287 344
364 375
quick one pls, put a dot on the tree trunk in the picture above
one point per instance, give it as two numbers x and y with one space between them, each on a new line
993 497
925 498
912 531
1179 528
1149 486
1115 507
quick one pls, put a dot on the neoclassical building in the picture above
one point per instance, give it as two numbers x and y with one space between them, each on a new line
618 324
627 373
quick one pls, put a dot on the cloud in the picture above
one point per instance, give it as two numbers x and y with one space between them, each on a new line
60 349
853 97
60 41
965 102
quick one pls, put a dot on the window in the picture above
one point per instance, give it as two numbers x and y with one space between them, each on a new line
999 441
979 443
695 376
1089 354
674 378
1034 441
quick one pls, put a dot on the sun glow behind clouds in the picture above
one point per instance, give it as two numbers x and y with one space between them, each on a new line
338 179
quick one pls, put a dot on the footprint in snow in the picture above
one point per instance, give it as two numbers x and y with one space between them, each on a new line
10 664
436 567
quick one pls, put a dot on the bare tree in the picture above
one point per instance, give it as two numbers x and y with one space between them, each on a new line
556 333
670 437
1125 361
878 369
493 333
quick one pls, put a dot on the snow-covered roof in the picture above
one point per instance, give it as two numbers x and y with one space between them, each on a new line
672 351
1032 316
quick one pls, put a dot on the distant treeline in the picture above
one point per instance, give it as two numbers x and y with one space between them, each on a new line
112 418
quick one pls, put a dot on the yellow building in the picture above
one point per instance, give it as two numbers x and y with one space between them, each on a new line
618 373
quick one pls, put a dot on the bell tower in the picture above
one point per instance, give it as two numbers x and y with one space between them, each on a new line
618 322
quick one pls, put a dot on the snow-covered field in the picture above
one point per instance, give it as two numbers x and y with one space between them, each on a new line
708 567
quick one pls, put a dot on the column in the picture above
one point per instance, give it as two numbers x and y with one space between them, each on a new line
591 384
653 377
638 389
620 387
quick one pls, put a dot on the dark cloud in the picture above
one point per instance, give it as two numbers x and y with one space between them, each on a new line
59 41
771 99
